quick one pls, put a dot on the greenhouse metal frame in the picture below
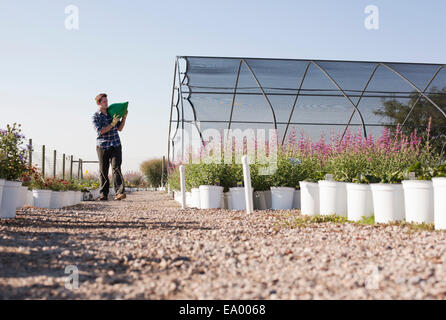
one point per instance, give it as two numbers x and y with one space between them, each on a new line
228 92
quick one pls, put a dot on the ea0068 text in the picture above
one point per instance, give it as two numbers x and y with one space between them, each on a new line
243 309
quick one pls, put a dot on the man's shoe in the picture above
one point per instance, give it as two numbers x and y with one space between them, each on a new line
103 198
120 196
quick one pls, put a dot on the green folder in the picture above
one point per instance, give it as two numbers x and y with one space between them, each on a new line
118 108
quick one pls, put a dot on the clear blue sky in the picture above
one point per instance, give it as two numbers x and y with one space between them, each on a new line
49 76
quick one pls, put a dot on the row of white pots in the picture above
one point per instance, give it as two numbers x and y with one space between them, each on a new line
412 200
207 197
13 196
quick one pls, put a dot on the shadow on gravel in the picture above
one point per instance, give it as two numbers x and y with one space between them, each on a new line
48 253
67 221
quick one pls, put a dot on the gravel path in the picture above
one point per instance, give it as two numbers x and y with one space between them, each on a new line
146 247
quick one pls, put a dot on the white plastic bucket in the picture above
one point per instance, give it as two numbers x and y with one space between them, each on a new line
29 200
282 198
309 198
419 201
296 199
226 204
79 196
66 199
388 202
195 203
11 191
259 200
268 199
238 201
439 185
188 198
57 200
210 197
2 183
21 197
42 198
359 201
332 198
71 195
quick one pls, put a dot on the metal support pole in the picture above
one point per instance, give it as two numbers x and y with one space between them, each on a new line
263 92
183 186
54 164
419 96
43 161
63 166
182 114
171 110
82 168
359 101
78 169
343 93
295 101
71 168
30 151
415 87
162 173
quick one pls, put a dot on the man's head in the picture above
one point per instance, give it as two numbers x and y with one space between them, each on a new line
101 100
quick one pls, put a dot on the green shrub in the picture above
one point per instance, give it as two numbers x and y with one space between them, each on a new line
174 179
152 171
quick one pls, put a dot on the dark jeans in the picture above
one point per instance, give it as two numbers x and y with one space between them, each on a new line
106 157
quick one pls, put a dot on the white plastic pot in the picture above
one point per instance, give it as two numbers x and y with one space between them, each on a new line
57 199
226 200
238 201
177 196
79 196
21 197
71 200
260 200
42 198
309 198
359 201
296 199
210 197
188 199
332 198
11 191
29 200
2 183
268 199
419 201
439 185
66 199
195 203
282 198
388 202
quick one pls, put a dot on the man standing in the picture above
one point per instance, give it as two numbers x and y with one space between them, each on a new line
108 147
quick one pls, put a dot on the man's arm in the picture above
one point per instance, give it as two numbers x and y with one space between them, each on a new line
122 122
107 128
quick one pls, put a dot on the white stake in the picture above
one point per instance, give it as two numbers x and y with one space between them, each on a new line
247 180
183 186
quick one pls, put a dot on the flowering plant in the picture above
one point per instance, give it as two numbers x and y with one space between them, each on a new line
12 153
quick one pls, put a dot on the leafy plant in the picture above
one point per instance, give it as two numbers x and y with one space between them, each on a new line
154 172
13 154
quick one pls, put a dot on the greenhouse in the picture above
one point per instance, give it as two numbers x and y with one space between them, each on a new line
312 97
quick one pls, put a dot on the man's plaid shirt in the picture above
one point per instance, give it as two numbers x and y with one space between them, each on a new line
109 139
